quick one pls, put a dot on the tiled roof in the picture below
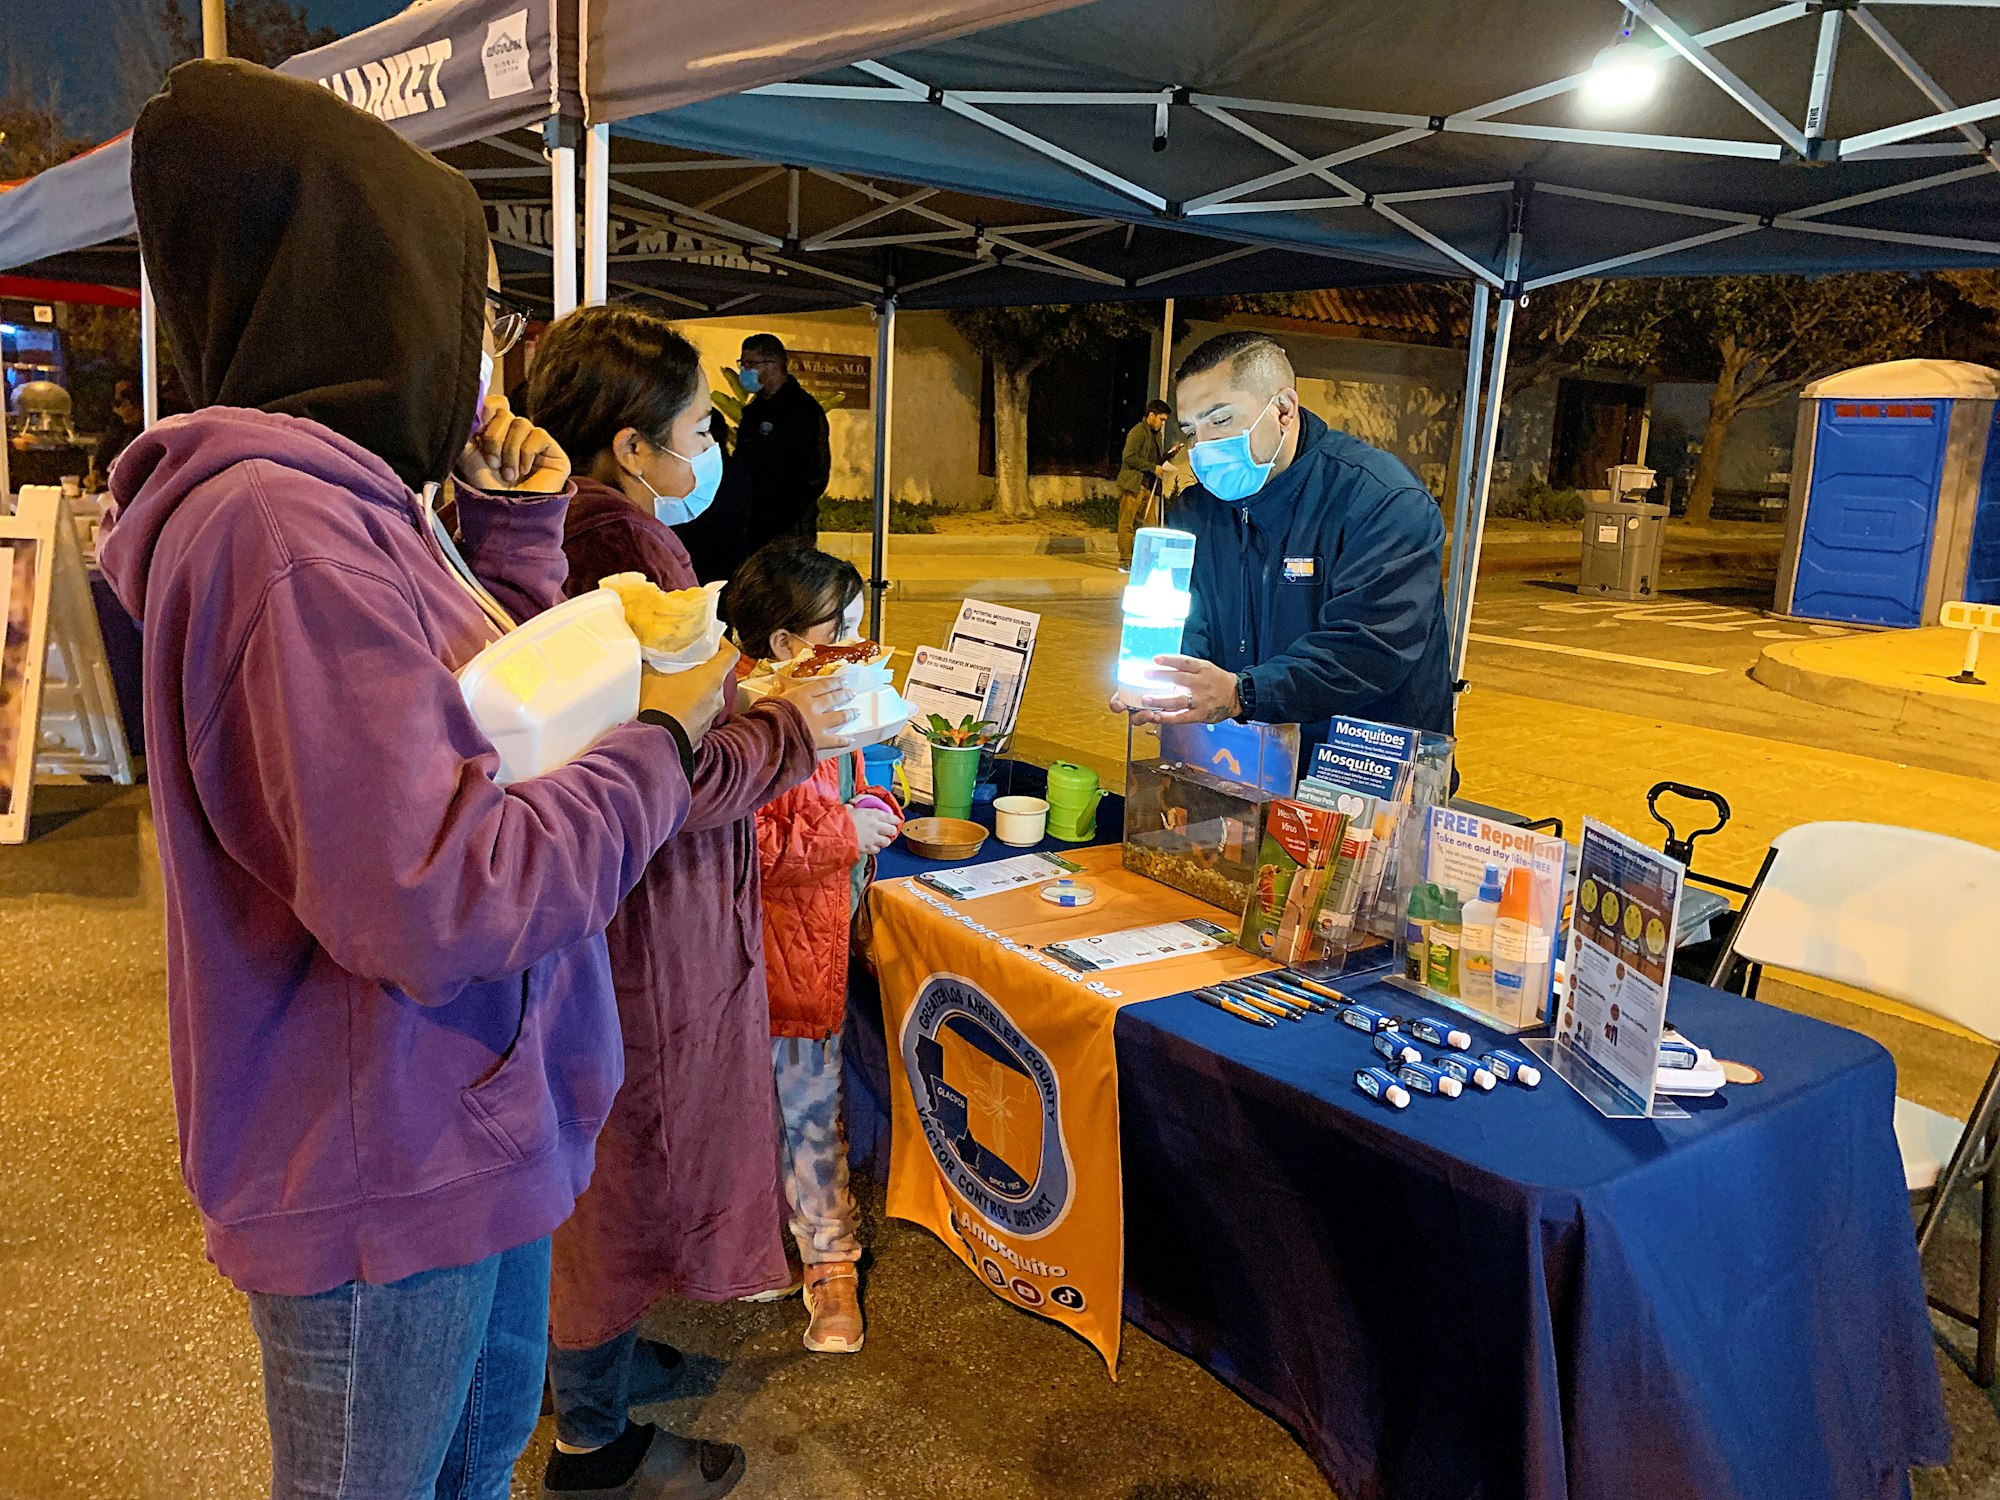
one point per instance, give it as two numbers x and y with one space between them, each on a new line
1419 314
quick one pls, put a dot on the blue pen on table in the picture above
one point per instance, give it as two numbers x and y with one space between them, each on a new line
1235 1008
1247 996
1264 997
1284 990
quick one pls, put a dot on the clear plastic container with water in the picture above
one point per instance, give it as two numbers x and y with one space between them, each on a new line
1156 603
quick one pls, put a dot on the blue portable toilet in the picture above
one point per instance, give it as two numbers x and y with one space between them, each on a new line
1895 494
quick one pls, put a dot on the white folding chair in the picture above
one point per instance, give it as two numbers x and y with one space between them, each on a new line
1913 917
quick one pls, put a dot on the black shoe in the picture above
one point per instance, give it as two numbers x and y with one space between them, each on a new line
675 1468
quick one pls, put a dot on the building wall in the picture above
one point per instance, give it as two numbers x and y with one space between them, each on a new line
1403 398
1759 443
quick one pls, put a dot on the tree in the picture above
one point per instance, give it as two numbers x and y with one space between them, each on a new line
165 33
32 137
1762 338
1019 340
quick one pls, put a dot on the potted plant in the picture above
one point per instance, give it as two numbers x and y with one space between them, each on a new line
955 751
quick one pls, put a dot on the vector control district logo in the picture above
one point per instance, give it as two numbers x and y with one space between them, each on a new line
990 1107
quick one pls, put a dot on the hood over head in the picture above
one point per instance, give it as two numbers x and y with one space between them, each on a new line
308 260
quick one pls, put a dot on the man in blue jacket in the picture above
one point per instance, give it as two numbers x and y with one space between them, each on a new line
1318 563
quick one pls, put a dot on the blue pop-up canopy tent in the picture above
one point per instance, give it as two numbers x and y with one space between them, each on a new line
908 154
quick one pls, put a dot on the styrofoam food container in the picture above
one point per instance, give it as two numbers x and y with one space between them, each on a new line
548 690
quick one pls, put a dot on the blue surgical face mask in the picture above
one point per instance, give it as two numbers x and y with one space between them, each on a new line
752 381
1224 465
707 466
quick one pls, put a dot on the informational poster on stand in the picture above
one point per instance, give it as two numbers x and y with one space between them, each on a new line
950 686
1003 639
26 559
1621 957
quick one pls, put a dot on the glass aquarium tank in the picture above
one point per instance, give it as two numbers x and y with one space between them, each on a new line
1188 827
1156 603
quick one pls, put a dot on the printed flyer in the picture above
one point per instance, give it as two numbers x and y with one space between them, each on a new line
1620 960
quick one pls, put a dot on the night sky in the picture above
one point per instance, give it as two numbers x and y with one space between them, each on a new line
74 43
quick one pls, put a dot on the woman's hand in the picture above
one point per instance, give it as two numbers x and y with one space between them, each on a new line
874 830
693 698
507 452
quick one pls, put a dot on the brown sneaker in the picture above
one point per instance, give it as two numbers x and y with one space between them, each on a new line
833 1298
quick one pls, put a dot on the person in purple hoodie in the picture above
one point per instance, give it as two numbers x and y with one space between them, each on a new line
394 1038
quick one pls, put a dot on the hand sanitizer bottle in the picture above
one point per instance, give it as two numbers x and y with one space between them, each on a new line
1156 603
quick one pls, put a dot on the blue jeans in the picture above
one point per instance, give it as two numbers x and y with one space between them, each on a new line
425 1389
593 1388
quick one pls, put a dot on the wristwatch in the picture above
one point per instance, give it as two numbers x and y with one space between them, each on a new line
673 726
1246 697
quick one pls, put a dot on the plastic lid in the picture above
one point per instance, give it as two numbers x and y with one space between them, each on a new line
1449 908
1490 888
1519 895
1066 777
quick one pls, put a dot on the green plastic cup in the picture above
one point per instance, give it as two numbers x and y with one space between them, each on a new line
954 773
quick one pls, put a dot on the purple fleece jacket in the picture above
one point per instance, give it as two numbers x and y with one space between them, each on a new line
393 1031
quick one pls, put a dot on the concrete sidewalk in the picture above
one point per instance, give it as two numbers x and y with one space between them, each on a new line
1898 675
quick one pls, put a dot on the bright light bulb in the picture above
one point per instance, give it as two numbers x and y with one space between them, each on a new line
1622 77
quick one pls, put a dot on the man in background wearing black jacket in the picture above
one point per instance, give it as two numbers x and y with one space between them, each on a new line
782 447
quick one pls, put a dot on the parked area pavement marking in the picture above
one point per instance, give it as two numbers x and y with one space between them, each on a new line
1631 661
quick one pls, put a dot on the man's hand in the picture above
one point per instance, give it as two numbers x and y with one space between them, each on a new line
1199 692
826 705
692 698
507 452
1163 471
874 830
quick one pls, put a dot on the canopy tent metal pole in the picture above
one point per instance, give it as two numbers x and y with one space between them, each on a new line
214 30
562 226
1489 437
1166 348
597 215
885 395
6 489
149 350
1468 439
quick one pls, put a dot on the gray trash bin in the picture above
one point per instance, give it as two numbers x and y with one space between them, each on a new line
1621 548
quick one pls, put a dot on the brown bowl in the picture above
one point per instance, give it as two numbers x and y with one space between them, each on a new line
943 838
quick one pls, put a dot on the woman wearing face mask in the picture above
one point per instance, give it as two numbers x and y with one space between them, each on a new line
685 1199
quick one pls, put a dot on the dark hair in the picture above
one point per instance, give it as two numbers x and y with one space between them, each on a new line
1158 409
603 369
786 586
766 343
1240 349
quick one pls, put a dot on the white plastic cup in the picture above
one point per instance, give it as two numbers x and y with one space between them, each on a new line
1020 821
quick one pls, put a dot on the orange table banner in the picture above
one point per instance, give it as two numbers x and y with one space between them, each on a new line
1002 1065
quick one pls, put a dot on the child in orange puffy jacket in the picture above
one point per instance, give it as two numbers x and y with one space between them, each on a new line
816 843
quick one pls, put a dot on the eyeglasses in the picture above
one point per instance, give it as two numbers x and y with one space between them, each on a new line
508 319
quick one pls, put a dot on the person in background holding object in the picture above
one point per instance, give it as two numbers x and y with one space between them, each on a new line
783 447
684 1202
818 844
1318 563
128 420
1143 473
394 1038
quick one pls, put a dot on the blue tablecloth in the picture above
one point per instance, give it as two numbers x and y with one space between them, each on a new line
1508 1295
